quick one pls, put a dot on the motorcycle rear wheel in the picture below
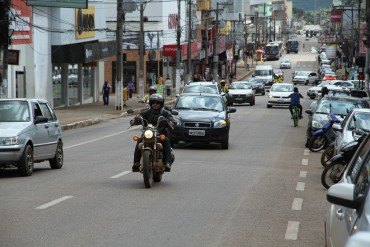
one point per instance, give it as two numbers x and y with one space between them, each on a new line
147 169
316 143
327 155
332 174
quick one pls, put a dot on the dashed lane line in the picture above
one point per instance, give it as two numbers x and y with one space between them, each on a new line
300 186
302 174
304 162
306 152
52 203
121 174
292 230
297 204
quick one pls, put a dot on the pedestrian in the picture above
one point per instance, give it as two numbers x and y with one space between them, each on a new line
131 88
160 79
105 91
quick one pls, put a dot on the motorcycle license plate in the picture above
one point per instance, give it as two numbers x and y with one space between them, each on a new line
197 133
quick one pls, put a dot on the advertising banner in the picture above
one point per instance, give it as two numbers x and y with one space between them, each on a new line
336 16
21 25
85 23
82 4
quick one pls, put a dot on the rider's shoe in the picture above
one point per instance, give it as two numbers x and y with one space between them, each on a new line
167 167
136 167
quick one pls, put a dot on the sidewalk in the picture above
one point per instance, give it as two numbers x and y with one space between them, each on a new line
93 113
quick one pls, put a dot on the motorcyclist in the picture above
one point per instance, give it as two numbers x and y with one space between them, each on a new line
156 103
223 86
152 90
295 101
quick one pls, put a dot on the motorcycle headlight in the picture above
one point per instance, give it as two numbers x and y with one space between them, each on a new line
221 123
148 134
316 124
7 141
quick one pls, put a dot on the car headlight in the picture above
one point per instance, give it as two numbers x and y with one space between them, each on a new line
249 94
270 96
148 134
220 123
7 141
316 124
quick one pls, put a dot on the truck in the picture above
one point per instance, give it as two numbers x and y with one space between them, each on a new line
292 46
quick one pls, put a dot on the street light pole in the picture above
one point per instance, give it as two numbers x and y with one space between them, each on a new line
215 55
141 55
119 35
178 52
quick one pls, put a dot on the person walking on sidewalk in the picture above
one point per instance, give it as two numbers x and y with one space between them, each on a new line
131 88
105 91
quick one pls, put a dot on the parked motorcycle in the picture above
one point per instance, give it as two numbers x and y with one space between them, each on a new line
333 172
152 150
327 154
322 137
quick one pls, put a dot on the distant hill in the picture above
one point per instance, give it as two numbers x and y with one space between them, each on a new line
312 4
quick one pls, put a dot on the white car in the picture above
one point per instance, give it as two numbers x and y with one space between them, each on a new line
279 94
305 77
313 92
285 64
241 92
349 212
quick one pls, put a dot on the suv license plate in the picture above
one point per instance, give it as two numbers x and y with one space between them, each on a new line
197 133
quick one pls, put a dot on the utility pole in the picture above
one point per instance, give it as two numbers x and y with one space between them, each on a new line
189 67
215 54
178 52
367 70
119 36
141 55
4 43
246 53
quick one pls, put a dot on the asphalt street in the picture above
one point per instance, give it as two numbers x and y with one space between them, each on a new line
264 191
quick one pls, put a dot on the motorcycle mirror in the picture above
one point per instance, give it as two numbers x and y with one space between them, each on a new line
174 112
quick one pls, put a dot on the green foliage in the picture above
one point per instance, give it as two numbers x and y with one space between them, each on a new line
310 17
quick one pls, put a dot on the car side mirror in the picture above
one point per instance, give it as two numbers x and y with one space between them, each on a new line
344 194
167 107
41 119
267 90
309 111
231 110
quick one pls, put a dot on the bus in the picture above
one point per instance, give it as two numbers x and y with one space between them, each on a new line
273 51
292 46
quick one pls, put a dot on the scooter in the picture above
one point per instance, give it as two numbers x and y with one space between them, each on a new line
322 137
333 172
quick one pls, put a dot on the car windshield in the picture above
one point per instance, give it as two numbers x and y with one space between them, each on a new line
14 111
361 120
334 92
240 86
262 72
302 73
337 107
281 88
199 103
285 61
256 81
201 89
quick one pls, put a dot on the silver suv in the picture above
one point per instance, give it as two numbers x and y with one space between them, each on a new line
29 133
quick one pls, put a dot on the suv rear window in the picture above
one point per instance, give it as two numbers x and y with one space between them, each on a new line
201 89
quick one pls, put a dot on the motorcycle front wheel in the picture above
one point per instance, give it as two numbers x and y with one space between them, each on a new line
332 174
327 155
147 169
316 143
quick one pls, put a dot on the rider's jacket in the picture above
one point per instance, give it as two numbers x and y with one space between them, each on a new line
152 116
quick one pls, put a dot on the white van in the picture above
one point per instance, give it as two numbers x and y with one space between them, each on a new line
264 72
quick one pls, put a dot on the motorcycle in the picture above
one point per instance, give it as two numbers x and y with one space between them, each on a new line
152 150
322 137
334 171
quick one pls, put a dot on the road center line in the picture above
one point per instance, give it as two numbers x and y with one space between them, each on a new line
121 174
302 174
300 186
304 162
52 203
306 152
297 204
98 139
292 230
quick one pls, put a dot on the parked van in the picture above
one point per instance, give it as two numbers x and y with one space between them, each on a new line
264 72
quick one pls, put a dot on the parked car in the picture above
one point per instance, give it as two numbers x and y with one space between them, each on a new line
258 85
313 92
29 133
241 92
285 64
305 77
201 118
339 106
344 84
279 94
359 93
349 212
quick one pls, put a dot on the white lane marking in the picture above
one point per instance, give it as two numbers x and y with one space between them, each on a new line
121 174
98 139
52 203
297 204
304 162
306 151
302 174
292 230
300 186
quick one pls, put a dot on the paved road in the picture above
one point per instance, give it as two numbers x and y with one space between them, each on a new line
264 191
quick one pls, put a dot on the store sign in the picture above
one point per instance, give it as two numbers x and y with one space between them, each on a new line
172 21
336 16
82 4
85 23
21 25
169 50
203 5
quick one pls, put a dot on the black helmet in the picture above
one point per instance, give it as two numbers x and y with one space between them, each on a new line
152 89
156 98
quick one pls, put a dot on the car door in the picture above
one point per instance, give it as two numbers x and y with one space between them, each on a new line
345 218
52 127
40 137
312 77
